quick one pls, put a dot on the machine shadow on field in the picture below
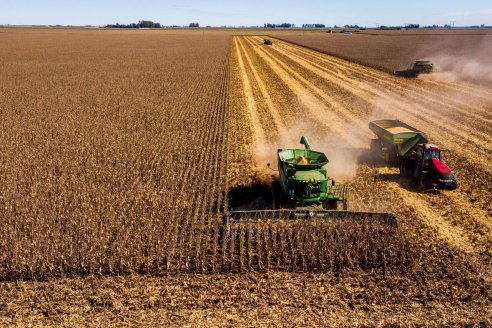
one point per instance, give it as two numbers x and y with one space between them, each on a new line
257 196
406 183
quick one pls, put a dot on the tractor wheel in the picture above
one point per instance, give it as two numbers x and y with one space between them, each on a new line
376 147
454 184
425 181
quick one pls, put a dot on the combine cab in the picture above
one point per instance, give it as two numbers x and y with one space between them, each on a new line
304 190
418 67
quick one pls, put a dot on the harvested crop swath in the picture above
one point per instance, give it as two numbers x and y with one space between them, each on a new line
270 243
392 51
331 100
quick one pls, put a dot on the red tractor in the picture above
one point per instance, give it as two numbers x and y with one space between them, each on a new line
405 146
425 165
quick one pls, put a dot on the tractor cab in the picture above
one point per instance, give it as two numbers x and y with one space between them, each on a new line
430 163
426 152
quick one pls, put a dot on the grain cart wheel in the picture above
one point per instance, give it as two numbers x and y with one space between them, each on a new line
376 148
405 169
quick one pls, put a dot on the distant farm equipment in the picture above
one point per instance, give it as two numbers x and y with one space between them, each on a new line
418 67
404 146
267 42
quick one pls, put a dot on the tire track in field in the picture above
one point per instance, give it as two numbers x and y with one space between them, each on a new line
451 234
319 59
473 90
367 91
335 104
251 106
296 79
405 108
392 82
264 93
412 89
318 109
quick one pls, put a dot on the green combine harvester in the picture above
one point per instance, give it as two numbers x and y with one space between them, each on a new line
304 180
418 67
305 190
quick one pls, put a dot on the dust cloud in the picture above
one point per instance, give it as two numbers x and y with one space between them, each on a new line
470 65
343 157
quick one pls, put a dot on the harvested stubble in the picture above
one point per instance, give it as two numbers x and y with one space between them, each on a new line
393 51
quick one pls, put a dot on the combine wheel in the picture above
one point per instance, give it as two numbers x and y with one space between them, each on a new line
336 205
276 194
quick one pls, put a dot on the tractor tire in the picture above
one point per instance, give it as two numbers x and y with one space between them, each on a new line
454 184
425 181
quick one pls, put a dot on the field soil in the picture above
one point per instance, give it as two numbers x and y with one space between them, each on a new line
457 54
117 165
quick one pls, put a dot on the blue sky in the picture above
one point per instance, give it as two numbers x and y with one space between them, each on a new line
249 12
